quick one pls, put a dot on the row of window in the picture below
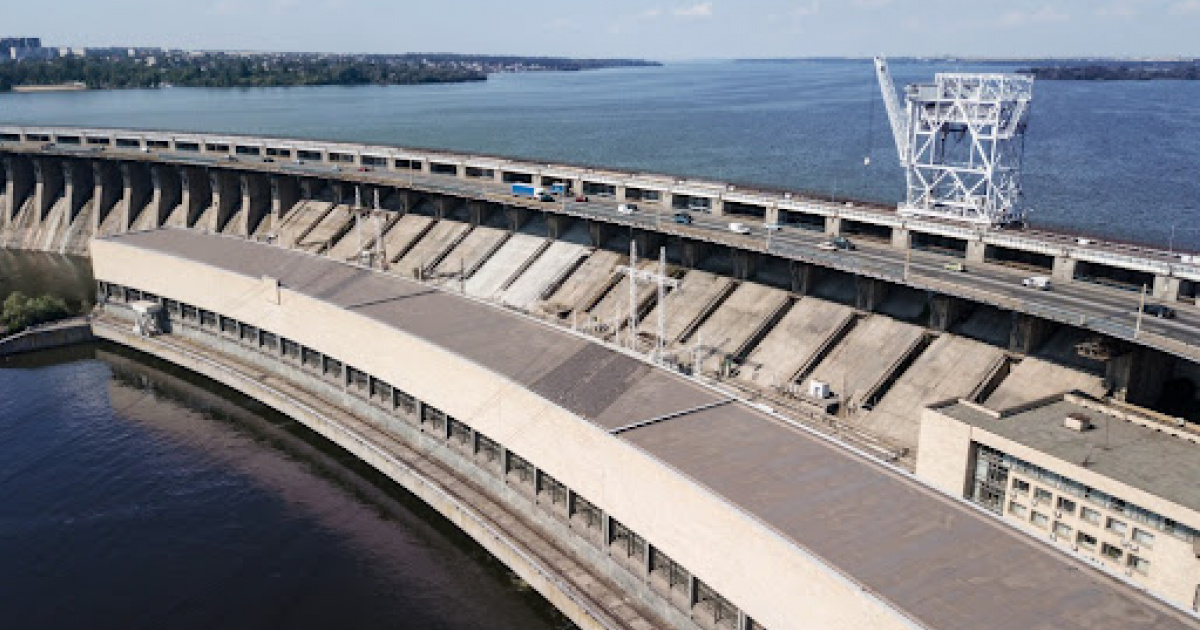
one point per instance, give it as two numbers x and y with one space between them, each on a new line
1062 531
1068 506
673 581
1091 495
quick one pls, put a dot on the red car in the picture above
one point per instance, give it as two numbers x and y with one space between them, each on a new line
581 198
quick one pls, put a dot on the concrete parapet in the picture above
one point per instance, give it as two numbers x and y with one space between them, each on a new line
47 336
48 186
167 191
285 192
1166 288
18 185
256 202
1028 333
1064 268
901 238
138 187
109 189
227 198
79 185
976 251
196 193
869 293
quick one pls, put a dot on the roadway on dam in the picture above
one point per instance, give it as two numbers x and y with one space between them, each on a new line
1102 308
936 559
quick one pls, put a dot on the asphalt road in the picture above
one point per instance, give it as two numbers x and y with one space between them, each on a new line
1100 307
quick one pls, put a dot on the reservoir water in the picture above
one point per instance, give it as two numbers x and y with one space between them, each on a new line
134 495
1118 158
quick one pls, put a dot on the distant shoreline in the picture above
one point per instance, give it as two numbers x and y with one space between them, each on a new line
73 86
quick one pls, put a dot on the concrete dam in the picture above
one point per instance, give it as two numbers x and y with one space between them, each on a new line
638 438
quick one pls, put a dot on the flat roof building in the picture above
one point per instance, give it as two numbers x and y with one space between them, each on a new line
1113 484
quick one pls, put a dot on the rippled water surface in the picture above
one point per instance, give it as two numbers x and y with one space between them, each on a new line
1116 158
136 496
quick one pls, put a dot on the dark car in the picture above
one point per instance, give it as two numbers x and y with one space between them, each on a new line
1158 310
546 198
683 217
268 159
841 242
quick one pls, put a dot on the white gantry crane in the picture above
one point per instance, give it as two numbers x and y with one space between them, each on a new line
960 141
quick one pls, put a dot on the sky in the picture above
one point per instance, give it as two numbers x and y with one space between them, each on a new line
650 29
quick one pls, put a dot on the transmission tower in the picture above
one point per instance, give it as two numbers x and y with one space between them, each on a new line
960 140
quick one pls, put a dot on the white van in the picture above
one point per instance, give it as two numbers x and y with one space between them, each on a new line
1041 283
626 208
739 228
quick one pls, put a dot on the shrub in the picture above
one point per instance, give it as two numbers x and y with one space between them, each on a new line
21 311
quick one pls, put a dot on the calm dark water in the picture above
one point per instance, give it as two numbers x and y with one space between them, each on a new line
137 496
1113 158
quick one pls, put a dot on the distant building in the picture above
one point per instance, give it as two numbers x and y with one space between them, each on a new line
1114 484
22 48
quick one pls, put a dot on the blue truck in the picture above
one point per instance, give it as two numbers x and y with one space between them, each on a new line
527 190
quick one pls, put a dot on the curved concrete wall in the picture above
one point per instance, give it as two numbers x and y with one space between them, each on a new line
760 571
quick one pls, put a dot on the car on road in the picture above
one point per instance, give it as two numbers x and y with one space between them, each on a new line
627 208
230 158
364 169
841 242
547 198
1159 310
826 246
335 168
739 228
268 159
772 227
581 198
954 266
1041 283
297 161
682 217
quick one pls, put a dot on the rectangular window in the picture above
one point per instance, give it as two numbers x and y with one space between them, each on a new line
1112 552
1139 564
1066 506
1017 509
1042 495
1020 487
1062 530
1039 519
1090 515
1143 537
1116 527
1085 540
487 448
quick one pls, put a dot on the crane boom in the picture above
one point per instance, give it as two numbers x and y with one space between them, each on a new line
892 103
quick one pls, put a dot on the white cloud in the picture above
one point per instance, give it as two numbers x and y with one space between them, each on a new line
699 10
1185 7
1118 9
808 10
1044 15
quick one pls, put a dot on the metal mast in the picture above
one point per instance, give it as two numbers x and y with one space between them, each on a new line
961 141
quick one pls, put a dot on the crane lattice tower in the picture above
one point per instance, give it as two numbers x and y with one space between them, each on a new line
961 140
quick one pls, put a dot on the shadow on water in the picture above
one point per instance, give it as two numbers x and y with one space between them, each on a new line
135 377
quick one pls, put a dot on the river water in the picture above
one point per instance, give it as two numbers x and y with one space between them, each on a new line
1114 158
137 496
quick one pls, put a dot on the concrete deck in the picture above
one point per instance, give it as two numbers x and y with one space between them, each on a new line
791 344
697 292
430 248
865 356
614 306
583 287
347 246
550 268
739 317
489 279
1034 378
951 367
944 564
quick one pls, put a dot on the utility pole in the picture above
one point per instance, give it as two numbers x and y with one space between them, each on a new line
658 277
